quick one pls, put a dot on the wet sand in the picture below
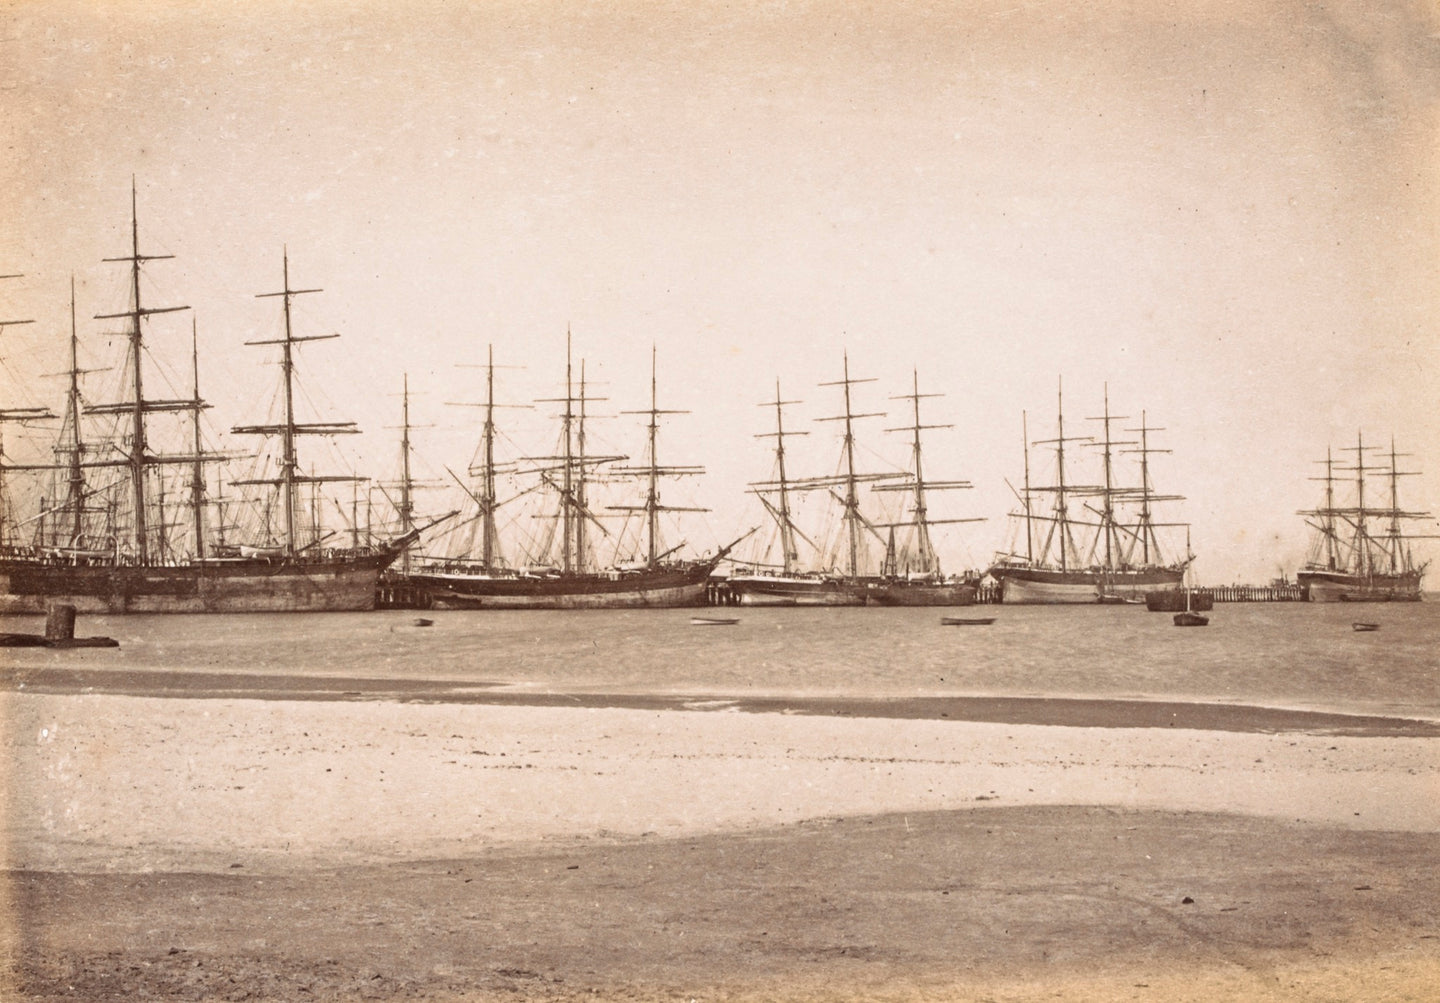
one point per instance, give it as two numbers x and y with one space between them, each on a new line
288 844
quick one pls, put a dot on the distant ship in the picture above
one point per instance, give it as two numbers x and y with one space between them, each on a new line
488 580
909 576
1093 543
115 546
1359 552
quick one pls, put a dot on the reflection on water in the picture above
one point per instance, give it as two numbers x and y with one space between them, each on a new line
1286 654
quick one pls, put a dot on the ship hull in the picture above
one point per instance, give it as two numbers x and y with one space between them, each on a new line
1336 586
241 586
1037 586
780 590
903 593
664 588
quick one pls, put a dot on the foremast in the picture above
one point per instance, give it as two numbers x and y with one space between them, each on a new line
779 510
140 460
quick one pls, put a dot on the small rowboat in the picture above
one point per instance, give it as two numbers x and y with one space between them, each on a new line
967 621
1365 626
713 621
1189 619
424 621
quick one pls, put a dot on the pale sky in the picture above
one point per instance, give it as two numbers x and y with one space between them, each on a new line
1226 212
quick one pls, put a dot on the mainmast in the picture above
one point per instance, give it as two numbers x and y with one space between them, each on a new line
854 521
653 472
1366 559
140 459
1109 530
289 463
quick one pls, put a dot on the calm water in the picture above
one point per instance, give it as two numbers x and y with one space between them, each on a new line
1283 654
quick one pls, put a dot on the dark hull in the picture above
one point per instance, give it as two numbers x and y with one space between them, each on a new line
666 587
256 585
901 593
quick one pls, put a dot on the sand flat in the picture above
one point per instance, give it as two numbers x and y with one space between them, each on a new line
345 849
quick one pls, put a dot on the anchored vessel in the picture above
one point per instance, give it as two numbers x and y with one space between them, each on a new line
1094 542
908 575
490 581
1360 552
118 546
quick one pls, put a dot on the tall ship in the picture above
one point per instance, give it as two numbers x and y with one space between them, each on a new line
565 573
124 544
909 572
1090 542
1359 552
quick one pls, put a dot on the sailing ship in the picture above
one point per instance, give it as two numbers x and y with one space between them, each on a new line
912 576
657 579
107 547
1360 552
907 576
1122 558
788 584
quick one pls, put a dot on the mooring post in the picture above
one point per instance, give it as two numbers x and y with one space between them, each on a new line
59 622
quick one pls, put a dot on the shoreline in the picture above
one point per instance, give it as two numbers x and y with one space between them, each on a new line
1062 711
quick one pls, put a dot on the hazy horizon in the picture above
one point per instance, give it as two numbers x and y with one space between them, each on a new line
1223 216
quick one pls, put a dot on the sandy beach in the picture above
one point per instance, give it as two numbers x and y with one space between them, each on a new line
299 846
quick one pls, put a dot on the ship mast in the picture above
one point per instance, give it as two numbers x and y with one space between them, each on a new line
1146 527
487 482
1060 521
13 414
289 463
407 504
1364 557
140 459
653 471
781 511
919 517
853 520
75 499
1109 530
197 470
1029 532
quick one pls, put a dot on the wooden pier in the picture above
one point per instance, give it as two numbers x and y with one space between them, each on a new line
1255 593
